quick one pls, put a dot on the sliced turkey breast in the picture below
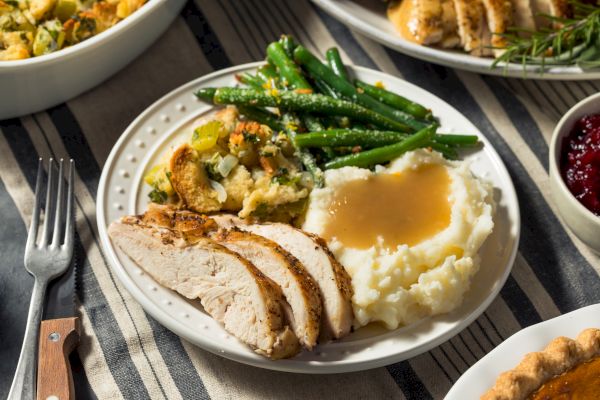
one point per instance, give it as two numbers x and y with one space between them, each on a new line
472 27
332 279
424 21
555 8
417 20
523 16
230 288
499 18
450 38
298 288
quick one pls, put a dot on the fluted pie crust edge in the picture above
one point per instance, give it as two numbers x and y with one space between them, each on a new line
537 368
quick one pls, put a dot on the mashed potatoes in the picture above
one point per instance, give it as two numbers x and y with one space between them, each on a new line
402 283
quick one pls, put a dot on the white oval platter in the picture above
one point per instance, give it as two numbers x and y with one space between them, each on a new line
482 375
167 123
368 17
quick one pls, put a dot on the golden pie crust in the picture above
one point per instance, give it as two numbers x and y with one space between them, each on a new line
561 355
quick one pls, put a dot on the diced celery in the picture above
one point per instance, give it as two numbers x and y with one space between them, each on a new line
64 9
159 178
43 42
205 136
151 176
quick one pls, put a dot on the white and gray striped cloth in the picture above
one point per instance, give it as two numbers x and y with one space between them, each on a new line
126 354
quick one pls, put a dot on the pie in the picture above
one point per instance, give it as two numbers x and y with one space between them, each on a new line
565 370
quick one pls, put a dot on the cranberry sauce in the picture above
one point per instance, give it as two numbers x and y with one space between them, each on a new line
580 162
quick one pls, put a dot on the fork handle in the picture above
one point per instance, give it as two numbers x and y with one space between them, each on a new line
23 385
58 338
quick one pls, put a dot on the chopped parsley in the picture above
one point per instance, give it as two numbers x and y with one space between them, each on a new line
250 137
282 177
261 211
158 196
212 172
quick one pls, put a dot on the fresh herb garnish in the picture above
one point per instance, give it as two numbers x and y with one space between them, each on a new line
572 41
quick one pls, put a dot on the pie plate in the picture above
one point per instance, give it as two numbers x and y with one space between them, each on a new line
168 122
482 375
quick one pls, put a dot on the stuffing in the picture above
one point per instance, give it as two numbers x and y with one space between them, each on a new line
231 165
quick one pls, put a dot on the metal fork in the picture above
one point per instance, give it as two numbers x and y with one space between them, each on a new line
45 260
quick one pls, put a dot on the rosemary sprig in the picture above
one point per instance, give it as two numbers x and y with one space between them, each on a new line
572 41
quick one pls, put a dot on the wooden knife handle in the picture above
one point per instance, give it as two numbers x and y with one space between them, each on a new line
58 338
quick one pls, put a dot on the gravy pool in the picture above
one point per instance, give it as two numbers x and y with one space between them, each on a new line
405 208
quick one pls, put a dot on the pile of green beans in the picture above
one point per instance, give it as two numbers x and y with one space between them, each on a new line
340 121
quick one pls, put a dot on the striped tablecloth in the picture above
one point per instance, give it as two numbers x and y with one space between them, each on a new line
127 354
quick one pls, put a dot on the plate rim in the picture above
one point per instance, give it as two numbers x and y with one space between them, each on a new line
444 57
508 343
327 367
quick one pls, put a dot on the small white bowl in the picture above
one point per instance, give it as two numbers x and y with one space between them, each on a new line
37 83
584 224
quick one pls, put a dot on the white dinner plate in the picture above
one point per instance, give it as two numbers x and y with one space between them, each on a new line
167 122
482 375
368 17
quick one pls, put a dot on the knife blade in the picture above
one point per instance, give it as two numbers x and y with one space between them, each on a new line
59 335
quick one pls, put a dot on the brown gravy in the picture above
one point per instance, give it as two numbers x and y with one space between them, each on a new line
400 15
404 208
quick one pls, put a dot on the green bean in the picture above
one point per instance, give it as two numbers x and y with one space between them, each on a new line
336 64
289 44
384 154
312 123
359 127
329 122
311 166
457 140
320 71
329 153
306 158
261 116
287 73
447 151
206 94
248 79
311 103
288 70
267 73
349 137
393 100
325 89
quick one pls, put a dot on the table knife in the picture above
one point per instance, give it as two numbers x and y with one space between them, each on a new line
59 335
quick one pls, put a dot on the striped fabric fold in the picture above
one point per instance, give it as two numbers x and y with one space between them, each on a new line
127 354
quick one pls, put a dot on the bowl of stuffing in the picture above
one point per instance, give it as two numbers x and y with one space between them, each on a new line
54 50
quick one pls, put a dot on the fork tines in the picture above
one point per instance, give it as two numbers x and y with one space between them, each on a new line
55 214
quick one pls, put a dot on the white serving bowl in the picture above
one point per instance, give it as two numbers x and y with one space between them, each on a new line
37 83
584 224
